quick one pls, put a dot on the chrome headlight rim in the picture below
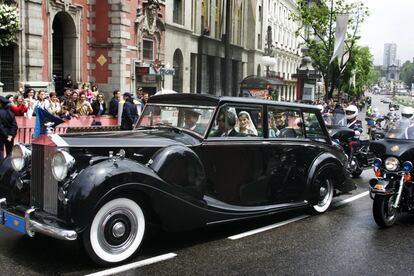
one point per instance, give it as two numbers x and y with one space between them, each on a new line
391 164
62 163
24 158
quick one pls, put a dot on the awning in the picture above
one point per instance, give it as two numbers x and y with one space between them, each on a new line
259 82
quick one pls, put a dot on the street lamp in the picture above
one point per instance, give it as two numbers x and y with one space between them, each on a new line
268 59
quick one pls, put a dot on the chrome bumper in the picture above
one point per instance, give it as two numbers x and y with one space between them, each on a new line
32 227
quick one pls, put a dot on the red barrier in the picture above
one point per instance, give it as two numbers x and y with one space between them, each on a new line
26 126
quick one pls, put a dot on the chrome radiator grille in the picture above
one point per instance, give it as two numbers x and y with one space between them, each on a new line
43 187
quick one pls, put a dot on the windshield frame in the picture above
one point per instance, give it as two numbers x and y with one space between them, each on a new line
213 109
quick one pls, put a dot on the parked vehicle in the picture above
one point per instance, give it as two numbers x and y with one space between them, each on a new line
393 106
189 163
392 189
356 150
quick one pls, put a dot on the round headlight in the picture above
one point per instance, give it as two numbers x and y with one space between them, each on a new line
19 157
392 163
62 162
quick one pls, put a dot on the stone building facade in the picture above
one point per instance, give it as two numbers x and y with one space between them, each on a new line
116 44
285 45
195 48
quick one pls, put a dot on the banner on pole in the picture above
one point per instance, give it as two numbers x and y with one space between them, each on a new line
340 36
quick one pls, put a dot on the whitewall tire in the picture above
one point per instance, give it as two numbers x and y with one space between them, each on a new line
116 232
326 192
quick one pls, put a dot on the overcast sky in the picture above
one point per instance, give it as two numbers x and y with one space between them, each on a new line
390 21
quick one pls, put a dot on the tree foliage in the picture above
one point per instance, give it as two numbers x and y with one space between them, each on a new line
374 76
317 26
407 73
9 24
356 75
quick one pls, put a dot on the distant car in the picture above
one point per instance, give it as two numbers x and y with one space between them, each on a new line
394 105
386 100
182 167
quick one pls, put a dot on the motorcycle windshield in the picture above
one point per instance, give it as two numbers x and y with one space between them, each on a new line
335 120
402 130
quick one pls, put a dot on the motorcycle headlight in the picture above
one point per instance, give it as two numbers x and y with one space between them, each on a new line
392 163
20 156
62 162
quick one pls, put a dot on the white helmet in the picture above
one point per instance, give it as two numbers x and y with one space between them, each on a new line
408 112
351 112
375 110
320 107
392 109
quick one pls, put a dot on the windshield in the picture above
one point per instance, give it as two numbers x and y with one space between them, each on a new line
335 120
402 129
190 118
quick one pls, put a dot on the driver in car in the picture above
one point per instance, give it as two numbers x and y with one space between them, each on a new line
191 118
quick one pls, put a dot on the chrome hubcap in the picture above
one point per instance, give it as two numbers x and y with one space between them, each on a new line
322 192
118 230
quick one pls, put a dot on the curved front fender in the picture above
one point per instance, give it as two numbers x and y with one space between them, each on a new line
84 194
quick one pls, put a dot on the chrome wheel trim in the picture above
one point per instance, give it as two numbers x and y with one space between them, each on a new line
105 244
326 194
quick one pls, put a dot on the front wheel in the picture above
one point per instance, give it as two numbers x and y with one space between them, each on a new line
326 192
116 232
383 210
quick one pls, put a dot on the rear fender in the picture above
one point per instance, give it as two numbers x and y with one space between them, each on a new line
328 163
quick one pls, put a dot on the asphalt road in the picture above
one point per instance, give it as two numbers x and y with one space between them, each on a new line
343 241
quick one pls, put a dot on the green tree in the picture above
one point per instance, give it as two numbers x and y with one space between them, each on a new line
407 73
374 76
356 76
9 24
317 25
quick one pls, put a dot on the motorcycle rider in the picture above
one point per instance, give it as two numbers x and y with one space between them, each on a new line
408 112
351 115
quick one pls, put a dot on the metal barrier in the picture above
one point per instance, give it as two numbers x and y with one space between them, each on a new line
82 124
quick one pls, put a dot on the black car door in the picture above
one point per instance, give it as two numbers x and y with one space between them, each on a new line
290 154
234 158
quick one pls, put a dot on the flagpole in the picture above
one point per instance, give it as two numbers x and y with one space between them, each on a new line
330 82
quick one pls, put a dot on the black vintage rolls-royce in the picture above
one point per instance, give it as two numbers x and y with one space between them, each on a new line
191 161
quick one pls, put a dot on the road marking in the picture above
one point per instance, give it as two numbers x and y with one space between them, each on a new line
130 266
345 201
266 228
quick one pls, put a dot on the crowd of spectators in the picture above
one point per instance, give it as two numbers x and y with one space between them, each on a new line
74 102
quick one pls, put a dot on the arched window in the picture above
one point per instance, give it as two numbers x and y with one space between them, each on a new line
259 71
178 66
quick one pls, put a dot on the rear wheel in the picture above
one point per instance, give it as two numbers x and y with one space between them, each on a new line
116 232
383 210
326 192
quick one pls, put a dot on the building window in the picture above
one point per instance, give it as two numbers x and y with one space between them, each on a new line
7 68
178 12
148 50
205 27
218 19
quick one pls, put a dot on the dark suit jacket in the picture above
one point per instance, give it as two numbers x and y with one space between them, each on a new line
95 107
8 125
232 133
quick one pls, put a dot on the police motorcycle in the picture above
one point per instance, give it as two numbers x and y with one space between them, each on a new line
392 189
346 133
374 121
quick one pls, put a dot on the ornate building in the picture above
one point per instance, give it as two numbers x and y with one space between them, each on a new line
117 44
